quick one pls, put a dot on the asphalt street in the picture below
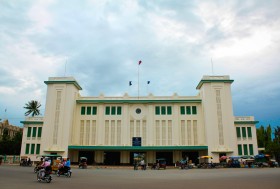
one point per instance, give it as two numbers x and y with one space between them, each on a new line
16 177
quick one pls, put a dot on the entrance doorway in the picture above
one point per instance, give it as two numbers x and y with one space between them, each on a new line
112 158
137 156
168 156
89 155
191 156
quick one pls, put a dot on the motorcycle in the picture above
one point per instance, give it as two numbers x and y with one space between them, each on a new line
37 168
64 171
47 176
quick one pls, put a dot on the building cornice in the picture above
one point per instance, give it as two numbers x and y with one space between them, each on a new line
138 148
64 82
31 122
246 122
120 101
212 81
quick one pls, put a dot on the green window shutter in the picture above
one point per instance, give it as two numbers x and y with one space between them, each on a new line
94 110
157 110
34 132
251 149
107 110
188 110
194 110
29 131
163 110
183 110
244 132
239 149
245 148
119 110
83 110
27 148
238 133
169 110
249 131
32 148
38 149
39 132
113 110
88 110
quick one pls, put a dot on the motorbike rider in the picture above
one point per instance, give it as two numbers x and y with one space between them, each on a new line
67 165
44 166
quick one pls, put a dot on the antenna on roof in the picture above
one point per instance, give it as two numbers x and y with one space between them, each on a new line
65 66
212 66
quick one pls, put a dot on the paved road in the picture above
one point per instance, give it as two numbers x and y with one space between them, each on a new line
16 177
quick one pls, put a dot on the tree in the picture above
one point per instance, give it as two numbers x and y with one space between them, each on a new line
32 108
16 143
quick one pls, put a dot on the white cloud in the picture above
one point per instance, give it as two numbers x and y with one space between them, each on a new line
105 39
40 16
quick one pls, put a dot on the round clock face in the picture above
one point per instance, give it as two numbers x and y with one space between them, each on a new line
138 110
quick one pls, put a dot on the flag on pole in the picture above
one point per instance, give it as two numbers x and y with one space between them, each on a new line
139 62
130 83
148 82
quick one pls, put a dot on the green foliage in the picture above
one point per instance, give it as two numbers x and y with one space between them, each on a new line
272 146
32 108
10 146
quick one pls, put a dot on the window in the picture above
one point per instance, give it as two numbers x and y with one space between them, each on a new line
83 110
244 132
157 110
107 110
238 132
29 132
169 110
251 150
119 110
249 131
39 132
88 110
38 149
94 110
183 110
245 148
34 131
163 110
194 110
239 149
188 110
27 148
32 148
113 110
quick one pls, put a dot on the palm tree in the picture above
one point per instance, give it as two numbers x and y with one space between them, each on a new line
32 108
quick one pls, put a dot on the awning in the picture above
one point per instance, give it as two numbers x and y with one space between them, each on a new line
138 148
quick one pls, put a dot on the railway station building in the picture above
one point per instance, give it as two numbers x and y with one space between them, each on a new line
111 130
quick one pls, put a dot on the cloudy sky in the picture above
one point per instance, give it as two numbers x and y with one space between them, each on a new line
100 43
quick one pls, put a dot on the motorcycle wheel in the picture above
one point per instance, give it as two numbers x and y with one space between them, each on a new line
49 179
69 174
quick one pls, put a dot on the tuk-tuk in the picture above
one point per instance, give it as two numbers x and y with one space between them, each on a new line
55 160
160 163
25 161
83 163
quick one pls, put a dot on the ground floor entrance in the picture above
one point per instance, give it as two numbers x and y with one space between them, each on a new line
114 157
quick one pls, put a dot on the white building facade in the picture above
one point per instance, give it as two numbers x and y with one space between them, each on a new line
111 130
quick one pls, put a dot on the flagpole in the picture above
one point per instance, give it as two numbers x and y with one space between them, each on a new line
138 79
